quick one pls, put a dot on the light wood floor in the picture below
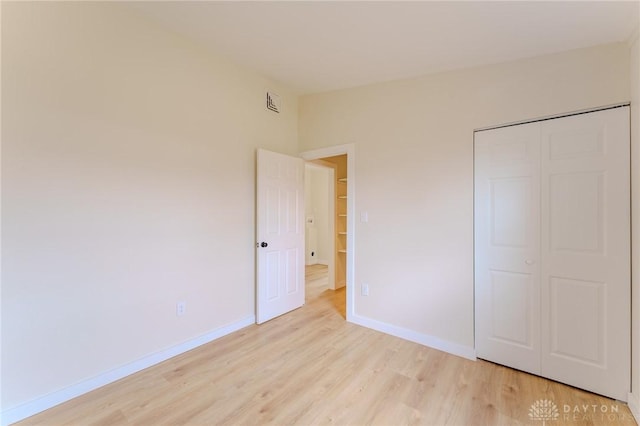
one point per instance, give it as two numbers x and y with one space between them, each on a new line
312 367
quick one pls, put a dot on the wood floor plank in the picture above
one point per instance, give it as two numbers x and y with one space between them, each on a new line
311 367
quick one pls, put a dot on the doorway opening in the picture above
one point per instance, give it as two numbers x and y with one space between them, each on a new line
338 251
319 209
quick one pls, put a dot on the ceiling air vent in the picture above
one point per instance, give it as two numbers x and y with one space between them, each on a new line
274 103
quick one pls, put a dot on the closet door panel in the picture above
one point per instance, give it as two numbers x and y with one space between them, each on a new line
507 245
585 252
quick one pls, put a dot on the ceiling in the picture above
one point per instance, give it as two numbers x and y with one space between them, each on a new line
316 46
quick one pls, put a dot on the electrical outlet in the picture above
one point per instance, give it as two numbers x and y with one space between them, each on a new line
365 289
181 308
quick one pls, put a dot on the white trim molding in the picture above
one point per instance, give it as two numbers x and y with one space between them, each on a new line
457 349
30 408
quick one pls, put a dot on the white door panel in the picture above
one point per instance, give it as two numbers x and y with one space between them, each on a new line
280 234
552 250
586 251
506 246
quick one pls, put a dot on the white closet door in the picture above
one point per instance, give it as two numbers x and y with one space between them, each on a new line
507 246
585 282
552 249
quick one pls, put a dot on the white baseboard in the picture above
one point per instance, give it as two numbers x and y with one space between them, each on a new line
634 406
35 406
413 336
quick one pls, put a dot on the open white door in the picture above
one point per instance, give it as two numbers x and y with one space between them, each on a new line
280 234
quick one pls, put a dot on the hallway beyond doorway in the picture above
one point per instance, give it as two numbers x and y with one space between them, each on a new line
317 289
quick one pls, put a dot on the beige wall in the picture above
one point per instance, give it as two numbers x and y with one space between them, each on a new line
634 73
414 172
128 185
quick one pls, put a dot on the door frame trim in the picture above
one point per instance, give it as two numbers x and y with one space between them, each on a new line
332 151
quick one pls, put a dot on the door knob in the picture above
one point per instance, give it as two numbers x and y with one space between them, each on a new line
263 244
